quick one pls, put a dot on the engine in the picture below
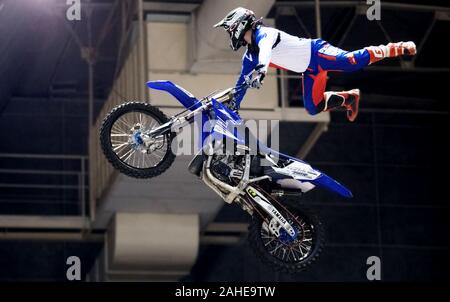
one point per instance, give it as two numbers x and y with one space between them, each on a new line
227 168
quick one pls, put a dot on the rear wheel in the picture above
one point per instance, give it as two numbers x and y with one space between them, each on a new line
285 253
123 140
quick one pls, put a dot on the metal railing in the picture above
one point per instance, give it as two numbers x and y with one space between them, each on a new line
14 176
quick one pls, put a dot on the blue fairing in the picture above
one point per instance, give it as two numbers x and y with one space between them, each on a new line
323 180
184 97
331 184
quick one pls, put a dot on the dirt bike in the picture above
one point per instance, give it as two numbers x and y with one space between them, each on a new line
136 139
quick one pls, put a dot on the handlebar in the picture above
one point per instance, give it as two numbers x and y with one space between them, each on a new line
186 116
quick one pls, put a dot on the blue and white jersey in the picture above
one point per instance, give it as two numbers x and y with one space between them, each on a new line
275 48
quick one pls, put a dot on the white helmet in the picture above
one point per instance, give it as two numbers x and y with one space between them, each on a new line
236 23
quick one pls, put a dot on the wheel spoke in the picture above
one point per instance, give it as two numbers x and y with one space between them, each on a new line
127 155
118 128
269 242
134 159
299 250
129 118
115 141
122 120
293 254
145 160
120 135
276 248
119 146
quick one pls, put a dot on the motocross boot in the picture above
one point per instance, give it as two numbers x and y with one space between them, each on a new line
347 99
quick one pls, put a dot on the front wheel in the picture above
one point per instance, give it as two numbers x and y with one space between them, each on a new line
285 253
123 140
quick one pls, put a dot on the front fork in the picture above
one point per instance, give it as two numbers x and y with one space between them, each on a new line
278 221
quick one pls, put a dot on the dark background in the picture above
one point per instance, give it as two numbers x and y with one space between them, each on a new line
394 158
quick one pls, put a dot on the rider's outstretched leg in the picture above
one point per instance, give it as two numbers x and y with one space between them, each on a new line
331 58
326 57
391 50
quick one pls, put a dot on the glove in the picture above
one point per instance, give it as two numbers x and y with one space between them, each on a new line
233 106
258 80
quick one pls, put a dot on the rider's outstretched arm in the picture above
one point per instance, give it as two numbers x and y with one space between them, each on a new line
256 61
249 62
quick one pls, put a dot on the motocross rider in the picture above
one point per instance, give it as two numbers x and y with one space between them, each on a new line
267 46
